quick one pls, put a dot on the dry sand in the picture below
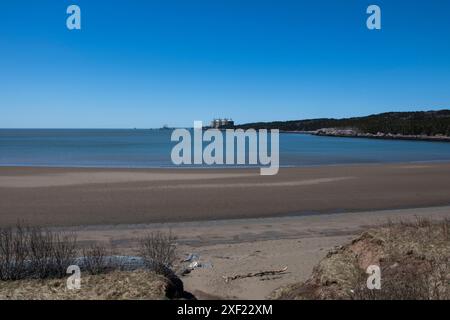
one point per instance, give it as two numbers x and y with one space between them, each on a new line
231 247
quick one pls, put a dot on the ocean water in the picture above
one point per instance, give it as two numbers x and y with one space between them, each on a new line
152 148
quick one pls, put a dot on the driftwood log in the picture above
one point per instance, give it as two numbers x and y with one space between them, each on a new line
255 274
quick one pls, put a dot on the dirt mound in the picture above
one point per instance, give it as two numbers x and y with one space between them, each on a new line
413 259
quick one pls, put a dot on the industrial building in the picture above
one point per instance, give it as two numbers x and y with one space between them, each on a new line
222 123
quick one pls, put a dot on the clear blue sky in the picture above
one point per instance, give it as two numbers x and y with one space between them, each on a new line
148 63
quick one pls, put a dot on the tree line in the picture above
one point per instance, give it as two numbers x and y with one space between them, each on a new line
428 123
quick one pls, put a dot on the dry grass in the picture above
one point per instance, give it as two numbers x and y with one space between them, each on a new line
413 258
34 261
111 286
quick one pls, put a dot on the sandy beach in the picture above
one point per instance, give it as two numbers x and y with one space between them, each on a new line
236 221
70 197
241 246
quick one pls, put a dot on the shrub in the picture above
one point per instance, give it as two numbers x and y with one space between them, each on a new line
33 252
95 259
14 253
159 251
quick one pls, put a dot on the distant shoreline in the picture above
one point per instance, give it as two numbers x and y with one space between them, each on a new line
431 125
379 137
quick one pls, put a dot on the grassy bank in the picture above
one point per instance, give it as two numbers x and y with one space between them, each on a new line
413 258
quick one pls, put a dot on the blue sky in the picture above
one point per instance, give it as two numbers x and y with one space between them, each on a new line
137 64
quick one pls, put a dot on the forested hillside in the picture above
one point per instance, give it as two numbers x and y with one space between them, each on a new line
406 123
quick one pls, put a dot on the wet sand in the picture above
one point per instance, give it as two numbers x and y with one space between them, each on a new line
71 197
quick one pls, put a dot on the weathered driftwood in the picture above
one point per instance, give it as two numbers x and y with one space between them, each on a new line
255 274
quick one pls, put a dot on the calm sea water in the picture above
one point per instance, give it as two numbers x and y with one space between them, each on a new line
152 148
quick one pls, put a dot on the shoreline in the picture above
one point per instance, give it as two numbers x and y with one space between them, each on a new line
223 167
373 136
